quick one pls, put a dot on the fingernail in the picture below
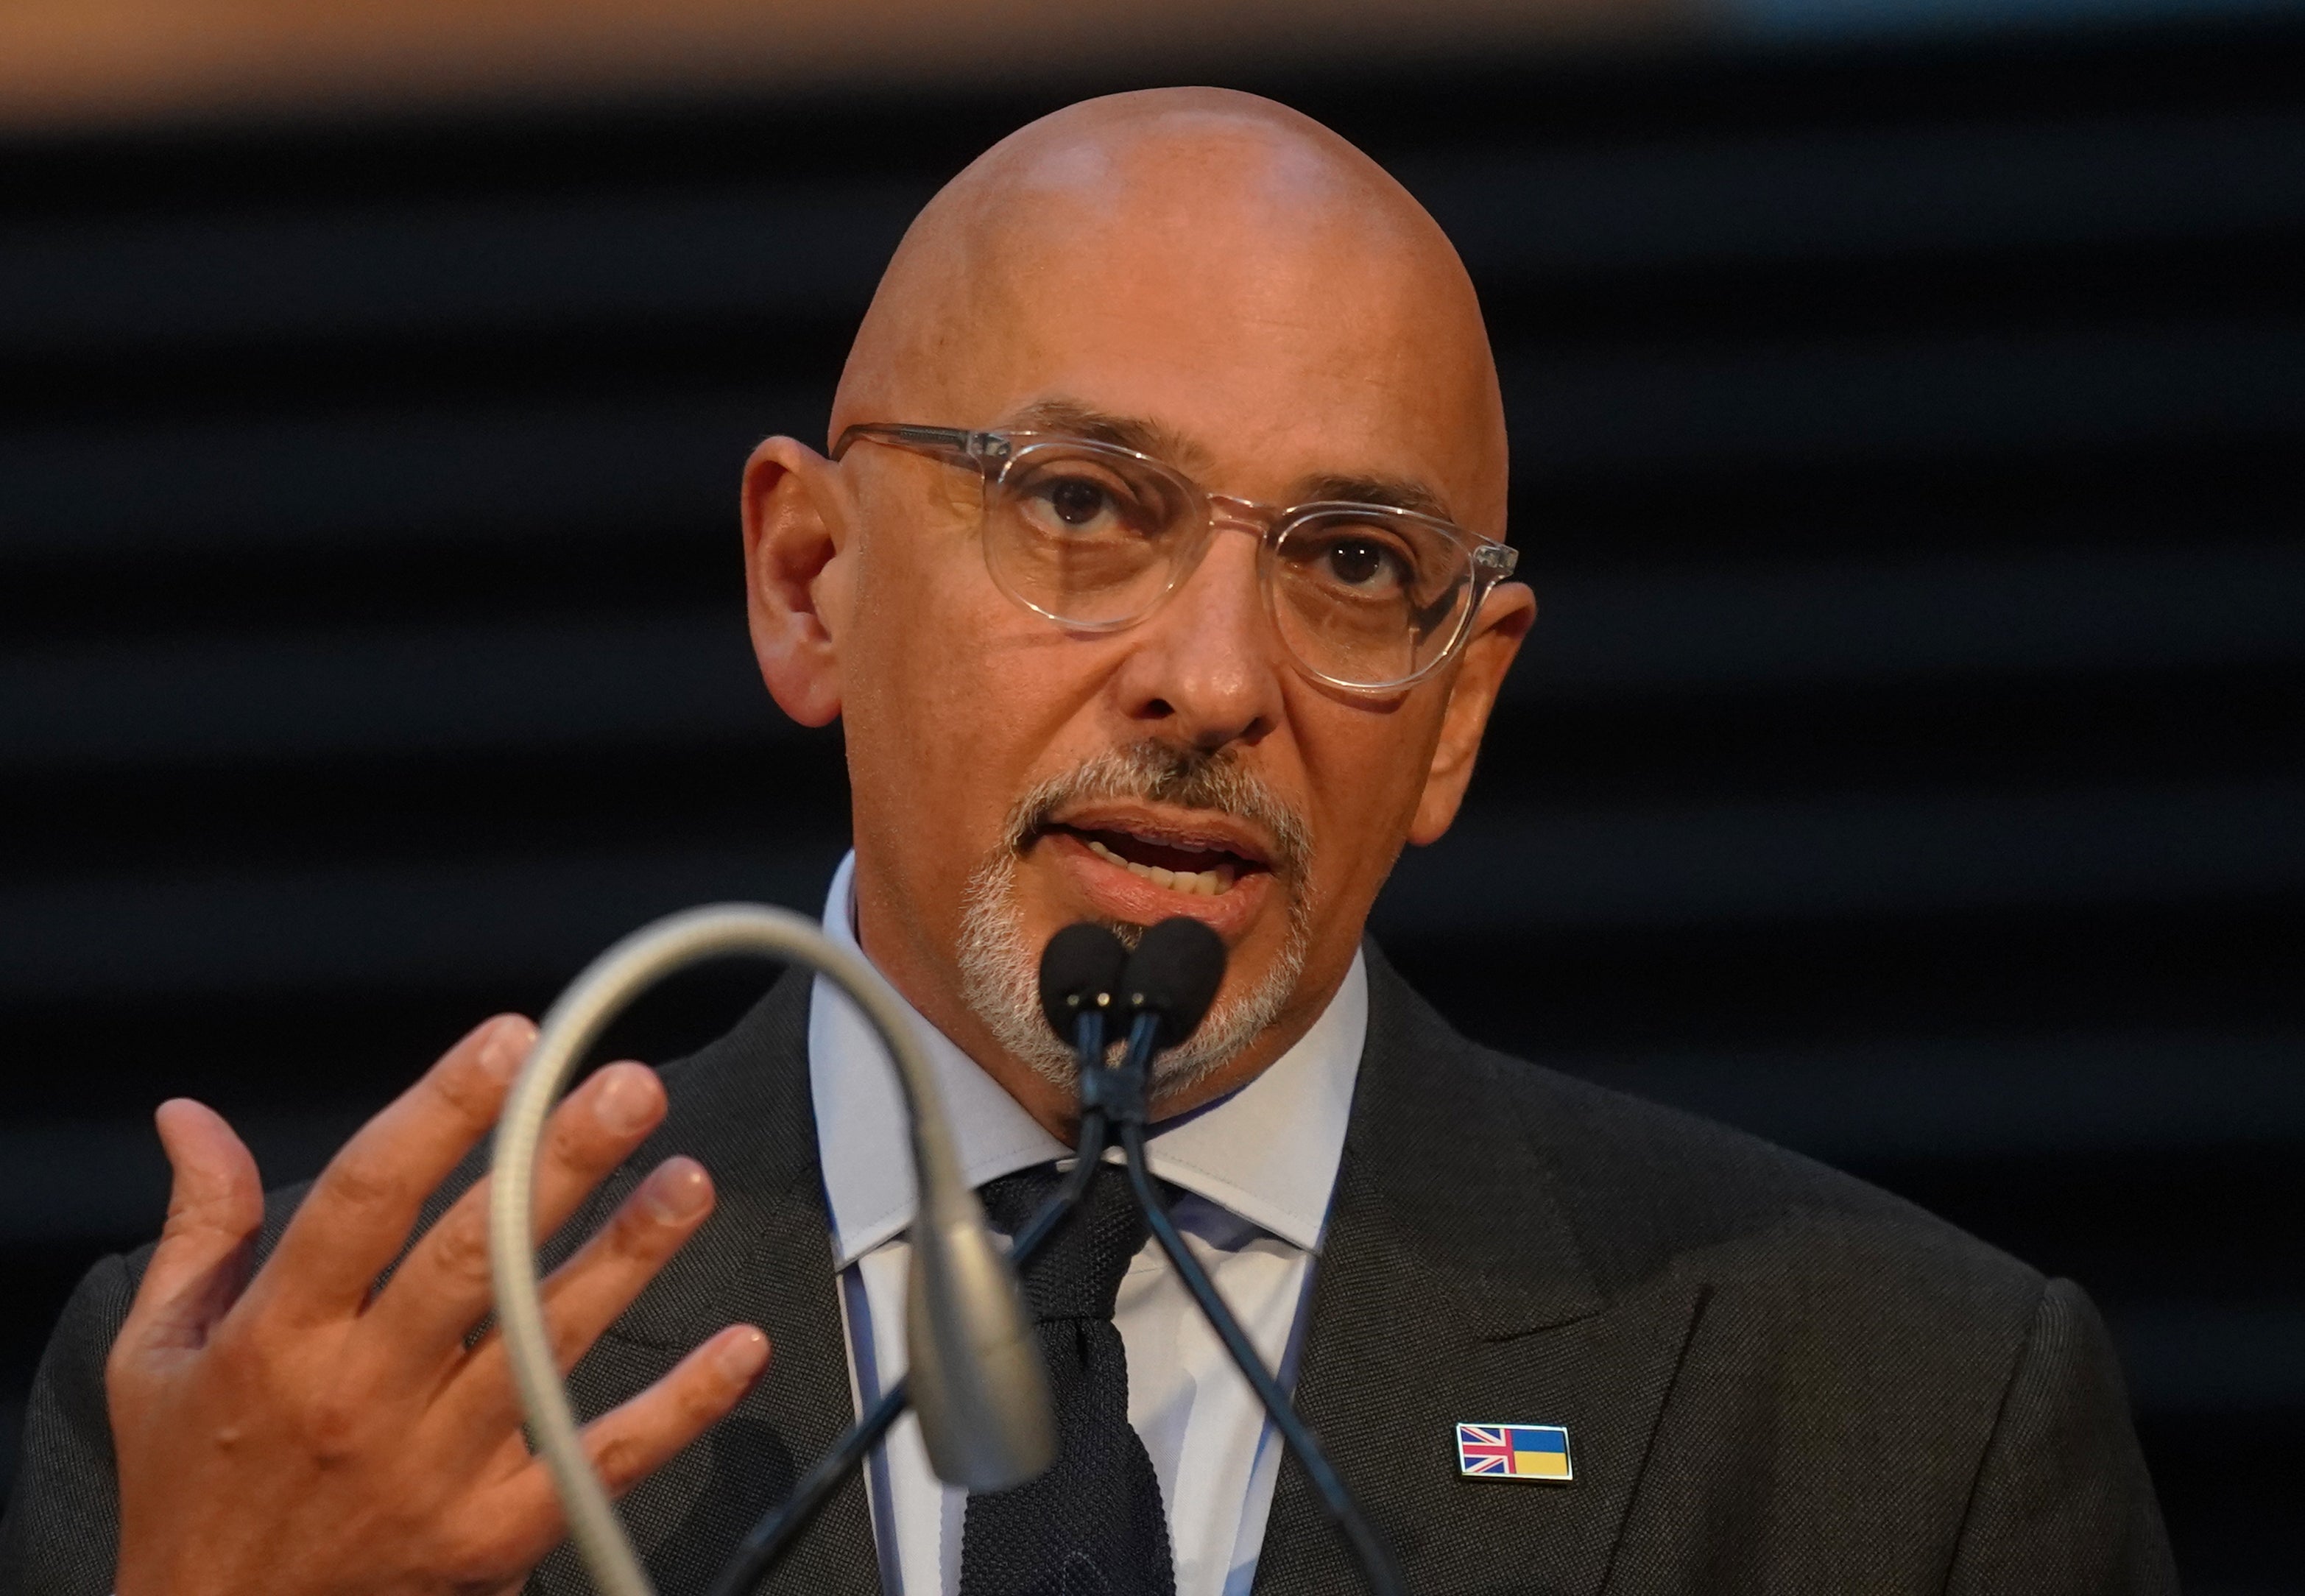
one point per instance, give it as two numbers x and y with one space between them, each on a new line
742 1355
677 1190
627 1101
506 1045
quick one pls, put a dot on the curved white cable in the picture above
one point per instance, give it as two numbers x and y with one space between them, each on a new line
975 1373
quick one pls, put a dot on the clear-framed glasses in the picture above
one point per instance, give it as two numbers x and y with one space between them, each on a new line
1366 597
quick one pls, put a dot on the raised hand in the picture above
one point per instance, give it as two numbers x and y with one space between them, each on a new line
304 1432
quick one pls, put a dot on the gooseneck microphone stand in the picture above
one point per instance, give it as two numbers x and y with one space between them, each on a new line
984 1416
1089 986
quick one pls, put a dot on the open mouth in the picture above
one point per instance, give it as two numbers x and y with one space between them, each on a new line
1197 866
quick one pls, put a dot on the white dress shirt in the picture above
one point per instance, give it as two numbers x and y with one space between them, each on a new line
1256 1169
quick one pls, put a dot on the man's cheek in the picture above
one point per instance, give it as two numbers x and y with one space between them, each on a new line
1356 838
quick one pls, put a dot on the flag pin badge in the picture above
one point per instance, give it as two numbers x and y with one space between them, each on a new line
1514 1452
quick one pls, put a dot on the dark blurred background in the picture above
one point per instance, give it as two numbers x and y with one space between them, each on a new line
1908 417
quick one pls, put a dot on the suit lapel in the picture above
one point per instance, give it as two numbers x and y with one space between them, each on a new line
1451 1287
742 1108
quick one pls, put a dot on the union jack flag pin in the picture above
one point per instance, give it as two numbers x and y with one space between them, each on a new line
1515 1452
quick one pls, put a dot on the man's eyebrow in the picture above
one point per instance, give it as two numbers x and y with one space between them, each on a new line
1073 419
1397 492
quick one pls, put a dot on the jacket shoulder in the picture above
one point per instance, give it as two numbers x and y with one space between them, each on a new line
1649 1188
1661 1181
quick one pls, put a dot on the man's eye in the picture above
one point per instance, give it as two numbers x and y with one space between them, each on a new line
1360 563
1077 502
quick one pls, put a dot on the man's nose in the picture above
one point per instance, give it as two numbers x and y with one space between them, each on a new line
1205 668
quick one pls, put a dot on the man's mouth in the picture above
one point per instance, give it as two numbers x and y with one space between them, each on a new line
1200 867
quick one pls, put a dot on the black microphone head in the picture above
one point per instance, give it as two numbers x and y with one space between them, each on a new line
1175 973
1080 963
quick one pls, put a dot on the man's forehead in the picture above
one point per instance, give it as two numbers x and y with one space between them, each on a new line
1076 418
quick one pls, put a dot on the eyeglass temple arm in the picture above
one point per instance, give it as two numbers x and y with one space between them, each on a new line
955 445
1491 564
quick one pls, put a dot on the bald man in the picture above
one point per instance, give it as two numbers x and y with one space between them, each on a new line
1156 568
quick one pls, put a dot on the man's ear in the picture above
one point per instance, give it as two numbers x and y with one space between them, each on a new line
796 527
1505 617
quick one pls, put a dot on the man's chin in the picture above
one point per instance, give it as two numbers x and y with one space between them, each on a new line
1059 883
1015 905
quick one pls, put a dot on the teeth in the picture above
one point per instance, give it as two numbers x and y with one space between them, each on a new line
1208 883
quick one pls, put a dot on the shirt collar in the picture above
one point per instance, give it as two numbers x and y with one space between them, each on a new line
1267 1153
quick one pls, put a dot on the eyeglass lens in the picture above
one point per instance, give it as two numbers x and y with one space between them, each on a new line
1096 539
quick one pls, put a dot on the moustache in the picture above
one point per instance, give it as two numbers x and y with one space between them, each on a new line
1154 772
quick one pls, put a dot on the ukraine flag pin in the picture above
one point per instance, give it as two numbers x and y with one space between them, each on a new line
1515 1452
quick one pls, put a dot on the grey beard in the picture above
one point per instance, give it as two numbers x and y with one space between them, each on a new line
1000 968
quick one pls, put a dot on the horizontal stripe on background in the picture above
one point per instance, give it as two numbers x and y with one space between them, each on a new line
1499 873
412 269
630 677
1502 871
1983 1096
567 470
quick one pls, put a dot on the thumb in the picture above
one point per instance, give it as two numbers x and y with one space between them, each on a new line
215 1207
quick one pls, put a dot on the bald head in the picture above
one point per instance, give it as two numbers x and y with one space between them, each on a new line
1201 257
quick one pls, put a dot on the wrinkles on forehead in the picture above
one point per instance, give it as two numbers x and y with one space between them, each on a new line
1147 434
1184 214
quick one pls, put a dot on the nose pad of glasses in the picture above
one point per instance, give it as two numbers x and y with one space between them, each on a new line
1226 513
1242 515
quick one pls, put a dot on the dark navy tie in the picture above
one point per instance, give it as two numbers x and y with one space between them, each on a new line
1092 1525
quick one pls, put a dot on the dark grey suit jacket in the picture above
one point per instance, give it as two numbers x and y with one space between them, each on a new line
1774 1378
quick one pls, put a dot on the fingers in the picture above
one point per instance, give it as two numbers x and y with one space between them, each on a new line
361 1209
583 1296
629 1443
443 1287
216 1205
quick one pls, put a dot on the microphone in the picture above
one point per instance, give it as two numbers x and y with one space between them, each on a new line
1166 989
975 1378
1173 976
1080 973
1080 978
1171 981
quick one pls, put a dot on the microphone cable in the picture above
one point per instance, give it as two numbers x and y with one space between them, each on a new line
1166 987
1170 980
